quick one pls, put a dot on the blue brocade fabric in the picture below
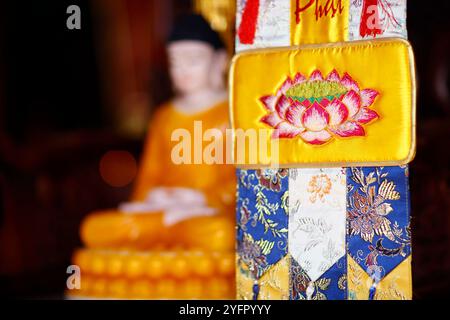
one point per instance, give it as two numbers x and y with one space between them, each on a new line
378 218
332 285
262 218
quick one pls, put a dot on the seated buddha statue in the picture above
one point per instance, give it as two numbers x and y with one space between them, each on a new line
184 207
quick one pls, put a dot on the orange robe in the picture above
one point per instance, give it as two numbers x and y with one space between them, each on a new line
158 169
114 229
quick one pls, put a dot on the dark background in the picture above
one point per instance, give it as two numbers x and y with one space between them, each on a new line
57 120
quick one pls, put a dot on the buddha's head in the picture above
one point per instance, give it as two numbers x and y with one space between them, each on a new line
197 58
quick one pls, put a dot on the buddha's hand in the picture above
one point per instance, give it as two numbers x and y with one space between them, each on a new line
165 198
176 196
180 204
177 204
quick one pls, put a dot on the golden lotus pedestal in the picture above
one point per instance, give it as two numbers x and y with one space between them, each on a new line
169 274
137 256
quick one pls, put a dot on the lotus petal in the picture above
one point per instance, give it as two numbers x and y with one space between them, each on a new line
349 129
368 97
315 118
299 78
333 76
316 76
269 102
352 101
281 106
294 114
285 86
348 82
316 138
272 119
286 130
338 112
365 115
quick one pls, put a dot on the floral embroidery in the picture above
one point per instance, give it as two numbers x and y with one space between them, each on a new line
252 254
332 285
244 214
264 211
317 109
317 228
299 281
368 211
270 178
319 186
392 292
342 282
355 280
378 218
393 287
262 219
274 284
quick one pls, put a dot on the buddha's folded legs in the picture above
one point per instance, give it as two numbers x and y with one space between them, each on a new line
117 230
212 233
113 229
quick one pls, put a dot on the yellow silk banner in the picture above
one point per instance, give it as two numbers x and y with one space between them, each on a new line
395 286
319 21
344 104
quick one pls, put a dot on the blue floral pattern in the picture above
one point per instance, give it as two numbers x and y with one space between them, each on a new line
378 236
378 218
332 285
262 218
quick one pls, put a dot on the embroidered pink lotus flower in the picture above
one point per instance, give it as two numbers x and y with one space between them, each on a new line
318 109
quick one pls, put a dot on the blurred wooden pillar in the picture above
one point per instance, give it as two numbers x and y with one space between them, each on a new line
130 37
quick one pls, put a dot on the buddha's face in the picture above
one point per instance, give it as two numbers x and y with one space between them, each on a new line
191 64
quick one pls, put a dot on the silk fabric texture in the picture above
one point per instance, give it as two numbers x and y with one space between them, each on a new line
335 247
390 140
